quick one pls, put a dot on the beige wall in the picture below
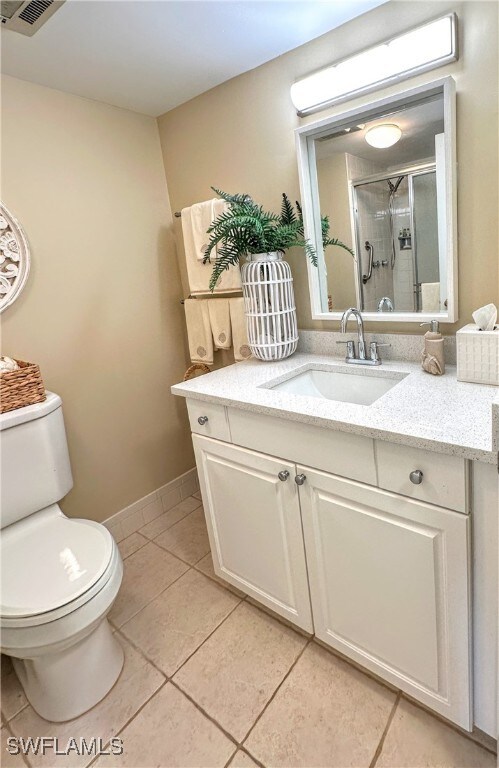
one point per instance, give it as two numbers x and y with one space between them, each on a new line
332 180
100 312
239 136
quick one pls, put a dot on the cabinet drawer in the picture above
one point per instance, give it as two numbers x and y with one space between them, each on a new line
443 479
340 453
216 424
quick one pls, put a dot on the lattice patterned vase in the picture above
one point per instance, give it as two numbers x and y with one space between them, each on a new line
269 303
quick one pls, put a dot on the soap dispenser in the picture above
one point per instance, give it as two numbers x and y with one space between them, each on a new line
433 360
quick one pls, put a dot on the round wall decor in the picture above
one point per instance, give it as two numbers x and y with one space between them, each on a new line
14 258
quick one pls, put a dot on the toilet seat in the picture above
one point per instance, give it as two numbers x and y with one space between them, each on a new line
54 564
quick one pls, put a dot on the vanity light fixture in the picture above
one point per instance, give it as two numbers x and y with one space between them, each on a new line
383 136
419 50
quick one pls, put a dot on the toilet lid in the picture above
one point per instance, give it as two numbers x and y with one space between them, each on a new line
48 560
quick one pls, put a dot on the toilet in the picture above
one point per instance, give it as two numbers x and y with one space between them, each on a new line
59 576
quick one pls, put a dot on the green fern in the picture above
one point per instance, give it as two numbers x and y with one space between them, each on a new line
246 228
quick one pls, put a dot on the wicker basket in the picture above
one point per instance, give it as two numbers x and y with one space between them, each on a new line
189 374
21 387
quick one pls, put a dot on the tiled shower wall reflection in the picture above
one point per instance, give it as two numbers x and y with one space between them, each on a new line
372 207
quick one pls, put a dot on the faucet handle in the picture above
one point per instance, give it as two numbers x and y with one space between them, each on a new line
350 348
374 346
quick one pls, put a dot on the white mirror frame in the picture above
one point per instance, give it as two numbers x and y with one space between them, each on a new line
305 148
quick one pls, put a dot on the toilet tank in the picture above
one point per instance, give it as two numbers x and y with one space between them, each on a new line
34 460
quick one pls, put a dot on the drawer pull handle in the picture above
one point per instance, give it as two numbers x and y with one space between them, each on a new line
416 477
283 475
202 420
300 479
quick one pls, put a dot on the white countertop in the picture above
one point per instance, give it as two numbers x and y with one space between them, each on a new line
437 413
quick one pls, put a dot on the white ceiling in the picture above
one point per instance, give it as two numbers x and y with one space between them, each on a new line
151 55
419 125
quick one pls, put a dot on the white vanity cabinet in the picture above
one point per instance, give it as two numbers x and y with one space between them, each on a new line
254 524
389 587
380 576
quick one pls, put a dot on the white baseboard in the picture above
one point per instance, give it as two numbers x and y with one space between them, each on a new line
136 515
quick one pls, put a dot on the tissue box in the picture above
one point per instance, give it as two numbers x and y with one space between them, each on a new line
478 355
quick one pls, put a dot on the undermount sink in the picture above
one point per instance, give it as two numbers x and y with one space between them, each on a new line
345 386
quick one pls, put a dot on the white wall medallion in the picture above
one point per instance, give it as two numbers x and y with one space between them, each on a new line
14 258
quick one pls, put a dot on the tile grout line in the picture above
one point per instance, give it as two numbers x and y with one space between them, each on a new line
169 527
6 720
208 637
437 716
127 723
141 653
6 726
379 748
280 619
251 756
356 665
293 665
169 679
231 758
390 687
146 542
153 663
217 580
204 712
116 626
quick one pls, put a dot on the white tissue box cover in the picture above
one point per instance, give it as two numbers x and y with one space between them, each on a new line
477 355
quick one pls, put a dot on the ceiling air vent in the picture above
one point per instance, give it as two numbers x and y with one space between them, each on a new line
27 17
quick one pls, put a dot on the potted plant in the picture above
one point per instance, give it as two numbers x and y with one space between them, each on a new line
246 230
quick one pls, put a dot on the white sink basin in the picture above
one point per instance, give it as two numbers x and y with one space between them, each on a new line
345 386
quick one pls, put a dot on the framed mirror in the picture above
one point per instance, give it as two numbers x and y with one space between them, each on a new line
384 175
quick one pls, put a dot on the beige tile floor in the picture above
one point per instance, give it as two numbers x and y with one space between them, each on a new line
211 680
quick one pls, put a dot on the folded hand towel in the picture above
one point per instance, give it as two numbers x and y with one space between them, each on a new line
430 297
195 222
239 333
220 323
199 331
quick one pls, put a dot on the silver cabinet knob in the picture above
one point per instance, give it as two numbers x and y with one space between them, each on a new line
283 475
416 477
202 420
300 479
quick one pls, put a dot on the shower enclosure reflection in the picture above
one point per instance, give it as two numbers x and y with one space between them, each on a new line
396 239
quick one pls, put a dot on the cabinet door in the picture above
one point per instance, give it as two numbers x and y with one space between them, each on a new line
390 589
254 524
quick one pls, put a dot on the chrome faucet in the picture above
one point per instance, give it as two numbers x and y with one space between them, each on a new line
360 329
387 303
351 357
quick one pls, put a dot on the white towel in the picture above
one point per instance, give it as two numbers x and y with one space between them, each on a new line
430 297
220 323
195 222
239 333
199 331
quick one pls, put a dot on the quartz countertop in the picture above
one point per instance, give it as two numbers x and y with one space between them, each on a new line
437 413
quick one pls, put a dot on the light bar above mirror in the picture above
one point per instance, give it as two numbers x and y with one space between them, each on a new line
419 50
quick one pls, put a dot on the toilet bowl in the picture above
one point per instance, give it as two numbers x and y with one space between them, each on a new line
60 576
